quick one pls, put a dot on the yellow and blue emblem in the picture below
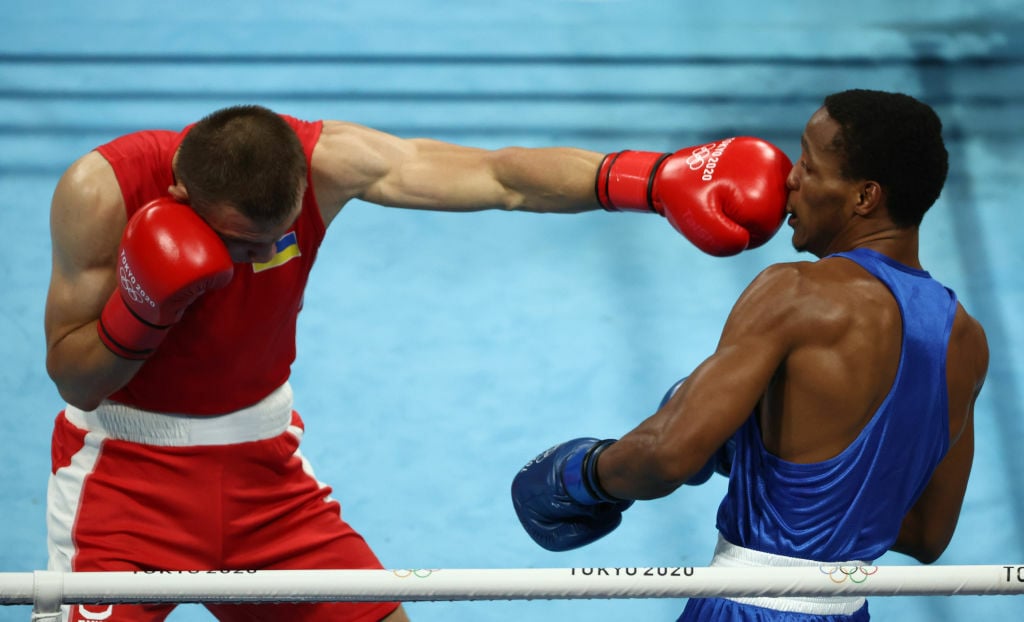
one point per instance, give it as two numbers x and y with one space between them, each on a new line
286 249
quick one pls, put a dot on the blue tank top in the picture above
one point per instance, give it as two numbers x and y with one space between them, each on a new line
850 507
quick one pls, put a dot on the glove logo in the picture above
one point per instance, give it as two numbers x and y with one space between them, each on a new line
706 157
130 286
699 157
540 458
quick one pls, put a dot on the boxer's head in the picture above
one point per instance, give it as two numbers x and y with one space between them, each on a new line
247 157
895 140
244 171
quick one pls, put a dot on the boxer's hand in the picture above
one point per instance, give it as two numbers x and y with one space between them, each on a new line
725 196
559 500
168 258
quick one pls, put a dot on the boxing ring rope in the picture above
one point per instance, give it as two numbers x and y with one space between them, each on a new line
47 590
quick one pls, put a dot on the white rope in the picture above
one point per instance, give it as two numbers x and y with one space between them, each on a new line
509 584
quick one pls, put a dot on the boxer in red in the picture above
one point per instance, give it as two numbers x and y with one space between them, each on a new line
179 264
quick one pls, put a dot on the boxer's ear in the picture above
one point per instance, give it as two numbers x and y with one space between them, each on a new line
179 192
869 198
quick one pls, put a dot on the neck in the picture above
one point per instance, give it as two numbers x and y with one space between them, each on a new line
900 244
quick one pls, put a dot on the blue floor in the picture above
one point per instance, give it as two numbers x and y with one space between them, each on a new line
439 352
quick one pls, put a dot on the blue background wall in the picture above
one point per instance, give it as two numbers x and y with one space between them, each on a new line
439 352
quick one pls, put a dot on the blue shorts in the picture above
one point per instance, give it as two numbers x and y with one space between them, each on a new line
724 610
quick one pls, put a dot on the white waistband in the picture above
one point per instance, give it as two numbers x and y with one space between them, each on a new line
266 419
729 555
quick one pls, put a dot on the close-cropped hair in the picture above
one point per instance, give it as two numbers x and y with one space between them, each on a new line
244 156
895 140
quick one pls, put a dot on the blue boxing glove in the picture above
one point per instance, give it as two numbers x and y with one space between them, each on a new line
720 462
559 500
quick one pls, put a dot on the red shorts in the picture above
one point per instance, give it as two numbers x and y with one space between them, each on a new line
135 490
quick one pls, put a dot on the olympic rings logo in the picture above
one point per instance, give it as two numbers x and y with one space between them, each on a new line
129 285
699 157
854 574
419 573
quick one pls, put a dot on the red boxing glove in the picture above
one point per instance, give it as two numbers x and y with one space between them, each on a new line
725 197
168 258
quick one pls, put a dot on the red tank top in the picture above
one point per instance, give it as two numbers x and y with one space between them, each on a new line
235 345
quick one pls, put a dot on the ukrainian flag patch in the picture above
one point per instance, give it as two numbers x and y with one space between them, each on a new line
287 248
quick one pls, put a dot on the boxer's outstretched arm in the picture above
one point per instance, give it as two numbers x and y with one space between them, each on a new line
724 200
352 161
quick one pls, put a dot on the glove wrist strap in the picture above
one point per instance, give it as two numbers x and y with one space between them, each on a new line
580 477
625 180
126 334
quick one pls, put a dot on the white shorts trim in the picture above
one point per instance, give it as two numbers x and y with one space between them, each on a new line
729 555
268 418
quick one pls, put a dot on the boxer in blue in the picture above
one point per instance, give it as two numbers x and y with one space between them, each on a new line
839 400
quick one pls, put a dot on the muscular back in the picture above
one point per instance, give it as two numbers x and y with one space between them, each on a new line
840 368
843 366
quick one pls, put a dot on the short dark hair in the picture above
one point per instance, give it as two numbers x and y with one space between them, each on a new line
895 140
247 156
